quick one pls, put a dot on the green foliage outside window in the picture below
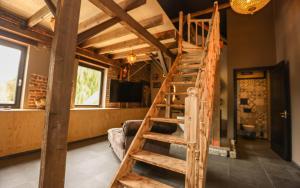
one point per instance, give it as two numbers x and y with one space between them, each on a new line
88 86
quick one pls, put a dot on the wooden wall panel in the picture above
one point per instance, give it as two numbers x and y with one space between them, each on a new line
21 130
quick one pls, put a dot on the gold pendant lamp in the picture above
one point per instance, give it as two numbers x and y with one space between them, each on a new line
248 6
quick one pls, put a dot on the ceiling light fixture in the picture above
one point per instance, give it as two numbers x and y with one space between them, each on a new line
248 6
131 58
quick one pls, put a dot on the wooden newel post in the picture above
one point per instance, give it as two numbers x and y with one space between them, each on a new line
180 38
54 145
190 134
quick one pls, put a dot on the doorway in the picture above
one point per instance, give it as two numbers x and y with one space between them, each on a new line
252 104
262 106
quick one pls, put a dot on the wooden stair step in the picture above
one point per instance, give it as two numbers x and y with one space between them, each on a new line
167 120
177 93
164 138
191 60
178 106
185 74
183 83
162 161
133 180
193 66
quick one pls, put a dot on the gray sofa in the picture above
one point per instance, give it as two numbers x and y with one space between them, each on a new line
121 138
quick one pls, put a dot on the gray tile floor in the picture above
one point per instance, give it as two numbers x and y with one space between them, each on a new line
91 164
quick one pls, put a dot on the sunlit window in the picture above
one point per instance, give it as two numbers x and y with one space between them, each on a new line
11 73
88 86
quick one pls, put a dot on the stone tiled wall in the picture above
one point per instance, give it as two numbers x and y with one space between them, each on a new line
252 105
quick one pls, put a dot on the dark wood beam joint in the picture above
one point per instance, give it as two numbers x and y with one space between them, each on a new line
114 10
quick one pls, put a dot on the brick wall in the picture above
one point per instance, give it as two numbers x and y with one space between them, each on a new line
37 89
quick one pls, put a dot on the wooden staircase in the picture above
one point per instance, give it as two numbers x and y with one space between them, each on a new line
192 74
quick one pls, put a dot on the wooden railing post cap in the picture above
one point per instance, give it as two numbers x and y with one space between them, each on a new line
192 91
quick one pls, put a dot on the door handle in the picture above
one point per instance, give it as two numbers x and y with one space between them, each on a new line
284 114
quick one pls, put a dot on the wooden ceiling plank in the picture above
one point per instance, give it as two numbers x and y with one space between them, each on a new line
144 50
134 42
39 16
132 4
117 33
113 9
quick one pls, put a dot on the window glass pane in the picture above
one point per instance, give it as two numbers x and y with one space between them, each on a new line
88 86
9 68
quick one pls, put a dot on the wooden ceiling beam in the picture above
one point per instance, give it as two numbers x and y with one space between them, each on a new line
51 6
132 4
21 31
204 12
144 50
135 42
99 18
114 10
121 32
39 16
17 38
96 57
13 27
47 10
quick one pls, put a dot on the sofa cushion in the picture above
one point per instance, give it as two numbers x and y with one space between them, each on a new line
116 139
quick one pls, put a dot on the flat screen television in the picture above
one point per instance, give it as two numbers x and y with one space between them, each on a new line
124 91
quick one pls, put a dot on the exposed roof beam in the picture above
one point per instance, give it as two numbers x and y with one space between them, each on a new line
137 41
19 30
39 16
15 27
96 57
132 4
206 11
17 38
143 50
98 18
117 33
51 6
114 10
44 12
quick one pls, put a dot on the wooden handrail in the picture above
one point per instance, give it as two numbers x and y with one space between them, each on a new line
200 102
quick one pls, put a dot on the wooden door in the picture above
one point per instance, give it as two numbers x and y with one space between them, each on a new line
280 110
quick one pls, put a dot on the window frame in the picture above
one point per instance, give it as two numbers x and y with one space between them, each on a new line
20 75
94 67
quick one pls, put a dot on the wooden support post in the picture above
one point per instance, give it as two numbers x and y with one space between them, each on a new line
54 146
189 27
196 33
168 105
191 123
180 32
203 37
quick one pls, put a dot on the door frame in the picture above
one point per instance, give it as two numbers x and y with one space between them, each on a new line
235 71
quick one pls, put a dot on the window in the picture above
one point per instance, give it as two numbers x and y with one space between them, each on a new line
12 61
89 85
